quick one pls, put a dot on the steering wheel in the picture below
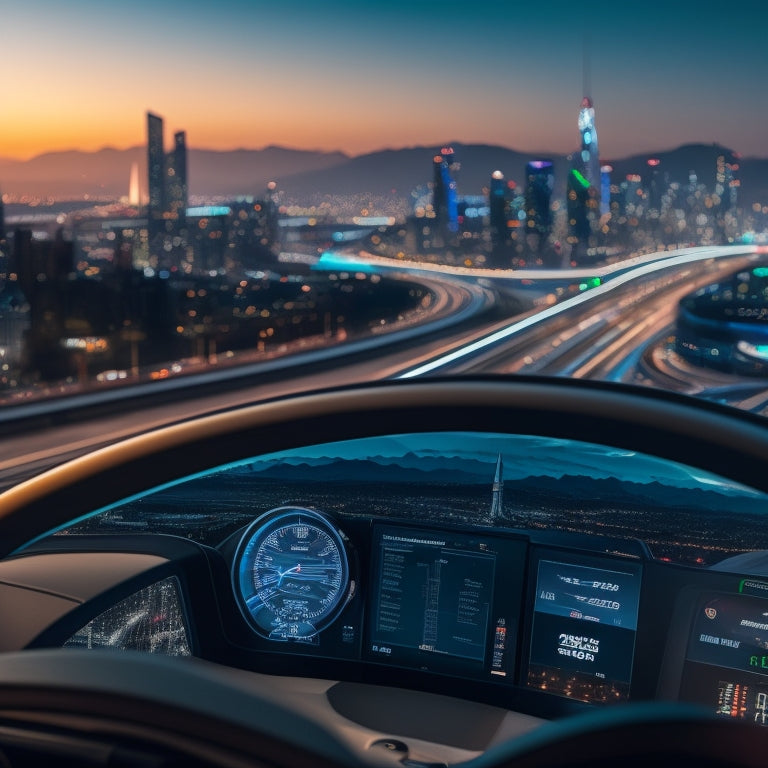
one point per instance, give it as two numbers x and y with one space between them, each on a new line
141 707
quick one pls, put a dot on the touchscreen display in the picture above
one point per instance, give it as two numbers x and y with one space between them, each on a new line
583 629
726 665
437 604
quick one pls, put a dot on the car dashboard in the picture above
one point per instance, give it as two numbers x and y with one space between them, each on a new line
425 595
348 570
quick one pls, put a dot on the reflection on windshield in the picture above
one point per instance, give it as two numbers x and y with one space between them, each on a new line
682 514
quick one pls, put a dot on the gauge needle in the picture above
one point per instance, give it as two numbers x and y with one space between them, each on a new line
310 572
296 569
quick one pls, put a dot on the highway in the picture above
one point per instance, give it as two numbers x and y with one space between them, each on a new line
613 331
600 336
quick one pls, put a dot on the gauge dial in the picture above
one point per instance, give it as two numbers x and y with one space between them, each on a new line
291 574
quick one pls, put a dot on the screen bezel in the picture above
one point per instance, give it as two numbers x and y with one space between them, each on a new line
596 561
699 679
506 602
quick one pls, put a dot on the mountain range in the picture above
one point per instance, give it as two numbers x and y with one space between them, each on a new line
571 489
304 175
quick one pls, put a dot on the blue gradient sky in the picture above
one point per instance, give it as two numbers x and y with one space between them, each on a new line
364 76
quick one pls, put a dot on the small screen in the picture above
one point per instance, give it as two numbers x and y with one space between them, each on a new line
435 604
583 629
726 664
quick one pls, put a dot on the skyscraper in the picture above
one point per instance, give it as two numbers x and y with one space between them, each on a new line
605 188
155 166
176 177
578 204
540 180
497 204
168 192
444 199
584 185
589 156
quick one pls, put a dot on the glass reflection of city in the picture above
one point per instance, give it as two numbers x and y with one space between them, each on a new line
451 480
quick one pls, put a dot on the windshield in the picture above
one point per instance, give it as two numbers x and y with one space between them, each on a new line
208 206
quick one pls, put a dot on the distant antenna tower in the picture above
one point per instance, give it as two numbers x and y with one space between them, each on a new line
497 497
586 67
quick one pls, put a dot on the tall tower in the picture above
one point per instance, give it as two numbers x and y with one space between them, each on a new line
176 176
444 200
497 490
605 188
156 166
583 185
540 180
497 204
590 159
166 213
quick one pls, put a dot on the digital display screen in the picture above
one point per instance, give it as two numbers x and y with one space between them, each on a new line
436 604
726 664
583 628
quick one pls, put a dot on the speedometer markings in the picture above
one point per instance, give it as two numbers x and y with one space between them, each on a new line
291 573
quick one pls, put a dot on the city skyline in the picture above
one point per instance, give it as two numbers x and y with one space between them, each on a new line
355 78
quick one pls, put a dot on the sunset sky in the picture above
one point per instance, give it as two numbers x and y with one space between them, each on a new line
362 76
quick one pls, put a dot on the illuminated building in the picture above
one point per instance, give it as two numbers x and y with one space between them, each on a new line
584 185
44 269
605 188
540 179
176 177
580 206
506 217
633 192
589 156
155 166
655 190
208 228
168 192
14 324
732 181
252 231
444 199
498 207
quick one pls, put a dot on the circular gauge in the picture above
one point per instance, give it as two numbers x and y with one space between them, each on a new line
291 574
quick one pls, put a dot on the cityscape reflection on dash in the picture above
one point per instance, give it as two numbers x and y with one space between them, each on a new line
466 479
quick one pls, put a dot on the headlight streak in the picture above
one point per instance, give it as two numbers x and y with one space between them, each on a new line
636 273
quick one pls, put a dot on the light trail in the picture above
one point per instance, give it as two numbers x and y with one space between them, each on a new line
625 277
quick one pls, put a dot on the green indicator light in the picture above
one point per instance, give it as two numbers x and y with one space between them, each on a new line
592 282
760 271
584 183
754 587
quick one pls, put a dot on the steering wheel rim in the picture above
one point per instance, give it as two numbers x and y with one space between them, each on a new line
634 736
704 435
